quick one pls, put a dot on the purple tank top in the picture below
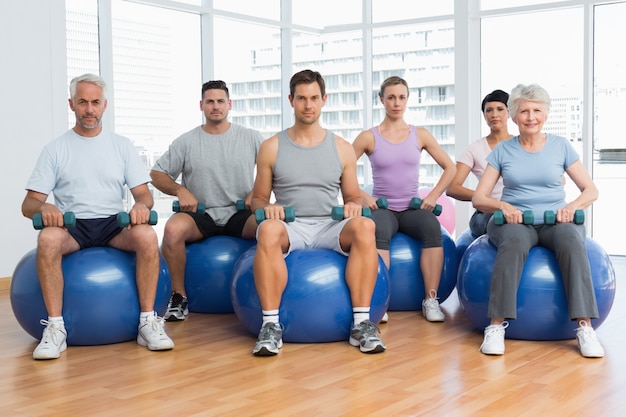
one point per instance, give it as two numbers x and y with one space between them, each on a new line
395 169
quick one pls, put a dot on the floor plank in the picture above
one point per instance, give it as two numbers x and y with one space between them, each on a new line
429 369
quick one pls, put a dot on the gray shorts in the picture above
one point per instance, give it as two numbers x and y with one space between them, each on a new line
315 232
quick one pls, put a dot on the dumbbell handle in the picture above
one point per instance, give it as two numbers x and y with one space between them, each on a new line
200 208
549 217
123 219
416 204
290 214
528 217
69 220
241 205
337 212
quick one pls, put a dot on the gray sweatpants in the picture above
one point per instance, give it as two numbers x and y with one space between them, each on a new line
514 241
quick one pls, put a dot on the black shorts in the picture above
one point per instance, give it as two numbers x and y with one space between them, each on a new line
234 226
95 232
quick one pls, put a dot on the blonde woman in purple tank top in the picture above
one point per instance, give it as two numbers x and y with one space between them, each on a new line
394 149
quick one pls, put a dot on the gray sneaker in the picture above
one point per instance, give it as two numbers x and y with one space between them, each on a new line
152 334
365 336
270 340
53 341
177 308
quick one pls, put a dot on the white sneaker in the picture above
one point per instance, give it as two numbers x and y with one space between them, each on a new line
588 342
493 343
431 309
385 318
53 341
152 334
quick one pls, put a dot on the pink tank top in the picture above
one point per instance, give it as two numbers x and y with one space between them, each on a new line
395 169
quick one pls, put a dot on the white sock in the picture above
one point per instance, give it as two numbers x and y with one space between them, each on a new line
270 316
57 320
145 315
360 314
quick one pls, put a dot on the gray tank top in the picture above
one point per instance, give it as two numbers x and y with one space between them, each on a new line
307 178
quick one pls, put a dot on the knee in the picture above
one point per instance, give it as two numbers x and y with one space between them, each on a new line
569 232
432 238
144 238
49 240
363 230
513 246
174 232
362 226
270 232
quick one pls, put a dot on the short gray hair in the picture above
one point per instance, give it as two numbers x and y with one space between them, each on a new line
530 92
88 78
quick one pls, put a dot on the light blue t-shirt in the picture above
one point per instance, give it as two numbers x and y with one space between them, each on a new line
534 180
88 175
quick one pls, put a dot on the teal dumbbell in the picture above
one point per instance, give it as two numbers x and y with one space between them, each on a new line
69 220
290 214
337 212
416 203
528 218
200 208
241 205
382 202
123 219
549 217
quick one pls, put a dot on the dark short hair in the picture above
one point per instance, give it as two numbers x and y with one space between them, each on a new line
496 95
306 77
215 85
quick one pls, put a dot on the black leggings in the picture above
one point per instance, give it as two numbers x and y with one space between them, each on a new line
418 224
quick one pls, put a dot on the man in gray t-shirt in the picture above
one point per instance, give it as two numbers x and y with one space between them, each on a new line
217 163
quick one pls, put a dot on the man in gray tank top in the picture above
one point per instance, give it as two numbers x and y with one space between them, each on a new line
308 173
216 161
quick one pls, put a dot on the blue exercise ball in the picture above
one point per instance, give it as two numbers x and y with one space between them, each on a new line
100 300
209 272
316 305
405 276
542 312
462 242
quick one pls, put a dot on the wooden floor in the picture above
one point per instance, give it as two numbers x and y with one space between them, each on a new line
432 369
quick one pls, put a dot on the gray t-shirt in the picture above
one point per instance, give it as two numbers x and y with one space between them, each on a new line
88 175
307 178
217 169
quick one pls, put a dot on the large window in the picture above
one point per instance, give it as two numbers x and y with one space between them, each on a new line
251 67
154 92
391 10
339 58
158 52
609 156
422 54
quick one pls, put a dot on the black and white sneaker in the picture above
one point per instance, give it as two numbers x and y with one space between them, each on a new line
270 340
177 309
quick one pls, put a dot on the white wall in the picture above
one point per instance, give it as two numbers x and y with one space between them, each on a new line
33 109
